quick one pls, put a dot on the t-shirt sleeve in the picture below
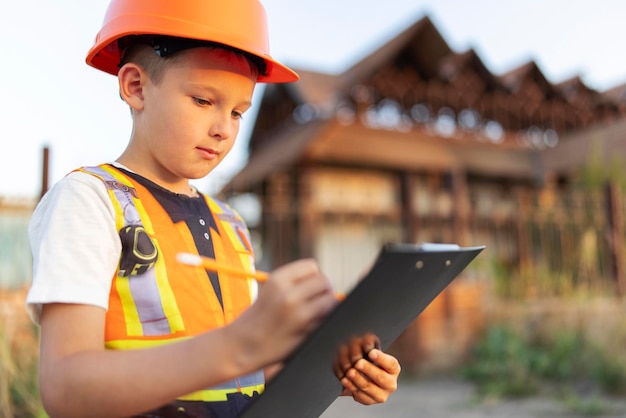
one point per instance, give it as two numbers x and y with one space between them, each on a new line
74 243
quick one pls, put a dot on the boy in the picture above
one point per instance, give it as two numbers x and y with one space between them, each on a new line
125 328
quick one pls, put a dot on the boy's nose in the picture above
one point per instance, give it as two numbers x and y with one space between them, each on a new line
222 127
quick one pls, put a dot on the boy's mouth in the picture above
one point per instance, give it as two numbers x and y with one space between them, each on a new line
208 153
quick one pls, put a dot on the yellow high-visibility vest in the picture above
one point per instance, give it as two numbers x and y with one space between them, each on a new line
156 300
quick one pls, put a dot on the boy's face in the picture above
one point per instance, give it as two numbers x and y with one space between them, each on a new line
190 119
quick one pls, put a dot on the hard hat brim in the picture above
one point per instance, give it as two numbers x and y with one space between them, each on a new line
105 54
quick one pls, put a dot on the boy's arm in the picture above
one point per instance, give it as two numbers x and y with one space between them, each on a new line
77 374
78 377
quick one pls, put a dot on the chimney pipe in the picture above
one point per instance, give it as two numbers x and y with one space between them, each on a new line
45 171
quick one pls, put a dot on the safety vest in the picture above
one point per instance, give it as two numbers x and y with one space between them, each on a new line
156 300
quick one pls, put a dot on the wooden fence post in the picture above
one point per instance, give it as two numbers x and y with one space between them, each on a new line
616 225
461 206
45 171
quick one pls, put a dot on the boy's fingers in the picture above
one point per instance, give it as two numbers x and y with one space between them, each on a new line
385 361
363 389
370 342
377 377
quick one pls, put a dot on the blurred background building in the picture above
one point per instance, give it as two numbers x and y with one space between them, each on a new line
420 143
416 143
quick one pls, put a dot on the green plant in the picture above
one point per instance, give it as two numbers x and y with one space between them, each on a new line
567 356
505 364
593 406
597 171
610 374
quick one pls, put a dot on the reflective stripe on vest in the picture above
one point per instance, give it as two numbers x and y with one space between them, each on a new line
167 301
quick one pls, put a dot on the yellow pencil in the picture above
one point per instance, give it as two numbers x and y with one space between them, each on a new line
213 265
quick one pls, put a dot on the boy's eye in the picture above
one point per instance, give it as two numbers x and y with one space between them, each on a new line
201 102
237 115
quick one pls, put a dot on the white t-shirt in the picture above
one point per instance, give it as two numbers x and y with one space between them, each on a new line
75 245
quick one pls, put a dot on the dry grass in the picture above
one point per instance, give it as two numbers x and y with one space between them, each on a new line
601 320
577 342
19 396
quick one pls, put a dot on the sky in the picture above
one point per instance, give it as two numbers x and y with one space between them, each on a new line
50 97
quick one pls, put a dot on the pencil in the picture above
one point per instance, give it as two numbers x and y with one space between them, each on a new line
213 265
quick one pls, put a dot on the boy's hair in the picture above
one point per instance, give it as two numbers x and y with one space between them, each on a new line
153 53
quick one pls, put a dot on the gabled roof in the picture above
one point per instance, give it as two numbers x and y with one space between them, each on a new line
456 63
617 95
293 116
575 86
422 42
515 80
317 89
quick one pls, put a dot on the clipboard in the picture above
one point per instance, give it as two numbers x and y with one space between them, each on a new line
402 282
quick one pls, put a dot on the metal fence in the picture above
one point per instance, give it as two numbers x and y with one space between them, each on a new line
540 241
545 242
555 242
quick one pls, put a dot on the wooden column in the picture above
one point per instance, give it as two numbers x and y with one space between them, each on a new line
409 348
45 171
616 225
523 239
461 206
408 213
279 230
306 216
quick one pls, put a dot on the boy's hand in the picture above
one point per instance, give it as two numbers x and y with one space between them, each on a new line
291 304
352 351
367 374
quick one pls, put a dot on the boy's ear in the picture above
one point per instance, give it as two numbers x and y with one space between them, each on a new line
131 79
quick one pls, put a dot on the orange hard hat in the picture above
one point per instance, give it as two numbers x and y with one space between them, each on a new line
240 24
